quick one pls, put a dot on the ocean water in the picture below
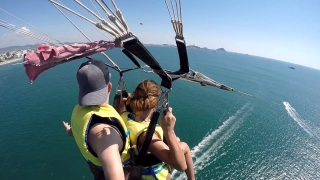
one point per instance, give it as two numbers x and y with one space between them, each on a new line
273 134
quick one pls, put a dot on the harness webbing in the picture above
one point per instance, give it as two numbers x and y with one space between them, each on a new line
147 141
182 50
131 57
138 49
184 62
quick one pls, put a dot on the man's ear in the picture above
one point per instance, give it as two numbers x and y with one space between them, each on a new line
109 87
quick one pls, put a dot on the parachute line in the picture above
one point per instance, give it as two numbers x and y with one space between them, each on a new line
26 32
103 53
58 42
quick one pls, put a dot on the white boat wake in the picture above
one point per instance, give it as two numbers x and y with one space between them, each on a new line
202 153
306 126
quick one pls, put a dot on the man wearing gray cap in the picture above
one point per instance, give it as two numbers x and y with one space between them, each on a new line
98 129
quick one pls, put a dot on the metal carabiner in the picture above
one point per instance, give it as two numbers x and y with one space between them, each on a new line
163 103
121 91
121 87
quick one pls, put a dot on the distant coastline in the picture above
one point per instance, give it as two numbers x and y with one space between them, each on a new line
188 46
15 53
7 53
10 61
35 46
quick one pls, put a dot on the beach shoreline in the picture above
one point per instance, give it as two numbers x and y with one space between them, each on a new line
10 61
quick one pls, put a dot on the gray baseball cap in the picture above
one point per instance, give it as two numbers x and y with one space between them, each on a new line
93 78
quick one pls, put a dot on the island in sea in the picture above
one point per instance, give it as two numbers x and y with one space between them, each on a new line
221 49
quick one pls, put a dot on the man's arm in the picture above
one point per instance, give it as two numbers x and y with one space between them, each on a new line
106 143
68 128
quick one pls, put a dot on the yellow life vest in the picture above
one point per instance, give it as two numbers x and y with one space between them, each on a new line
158 171
80 122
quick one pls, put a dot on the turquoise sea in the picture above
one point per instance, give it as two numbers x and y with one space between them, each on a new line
273 135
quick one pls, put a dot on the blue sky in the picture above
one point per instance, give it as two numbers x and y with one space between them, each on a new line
286 30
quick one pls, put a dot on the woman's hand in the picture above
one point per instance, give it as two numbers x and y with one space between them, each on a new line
171 152
168 121
125 101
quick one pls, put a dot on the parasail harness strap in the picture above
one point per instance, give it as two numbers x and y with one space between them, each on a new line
135 47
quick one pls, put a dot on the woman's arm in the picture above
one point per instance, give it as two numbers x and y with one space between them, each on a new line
171 153
125 101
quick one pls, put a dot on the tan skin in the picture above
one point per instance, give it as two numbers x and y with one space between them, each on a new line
170 153
106 143
175 153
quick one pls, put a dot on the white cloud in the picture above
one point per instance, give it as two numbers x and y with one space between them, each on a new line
14 38
22 30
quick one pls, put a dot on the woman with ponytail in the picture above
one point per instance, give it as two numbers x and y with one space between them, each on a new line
162 154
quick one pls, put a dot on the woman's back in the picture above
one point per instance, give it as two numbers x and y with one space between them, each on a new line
143 103
153 167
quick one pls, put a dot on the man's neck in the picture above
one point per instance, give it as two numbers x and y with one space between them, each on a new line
106 103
